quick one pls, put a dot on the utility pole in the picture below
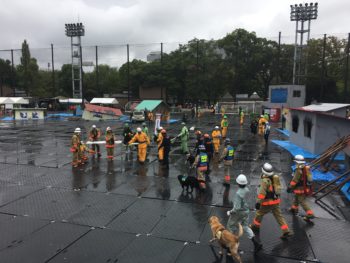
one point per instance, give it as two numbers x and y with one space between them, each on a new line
346 71
279 57
128 70
97 80
53 71
161 71
323 66
12 75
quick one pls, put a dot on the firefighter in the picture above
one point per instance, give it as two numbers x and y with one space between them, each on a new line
199 141
159 143
267 132
208 144
216 135
268 200
145 129
227 155
301 185
241 117
94 135
261 124
110 143
240 211
224 126
75 147
166 144
201 164
184 136
127 134
142 140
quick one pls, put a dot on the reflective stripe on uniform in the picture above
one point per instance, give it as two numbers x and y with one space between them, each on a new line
261 196
284 227
309 212
256 223
271 202
292 183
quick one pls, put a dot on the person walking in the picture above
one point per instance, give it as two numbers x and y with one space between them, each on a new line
227 155
184 137
216 135
254 126
110 143
239 214
301 185
241 118
268 200
267 132
145 129
94 136
143 141
75 147
166 145
261 124
201 164
224 126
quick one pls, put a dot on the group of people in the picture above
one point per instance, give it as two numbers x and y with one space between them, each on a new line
268 200
261 126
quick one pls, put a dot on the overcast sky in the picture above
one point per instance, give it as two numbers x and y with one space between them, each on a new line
110 22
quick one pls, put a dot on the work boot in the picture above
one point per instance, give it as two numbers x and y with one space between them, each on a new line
257 245
254 228
293 211
98 155
286 235
308 220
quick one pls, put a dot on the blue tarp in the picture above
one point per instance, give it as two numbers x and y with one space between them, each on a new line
294 150
172 121
62 114
7 119
346 190
285 132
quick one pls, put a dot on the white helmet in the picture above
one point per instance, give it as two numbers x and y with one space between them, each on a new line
93 126
267 169
216 127
299 159
242 179
160 128
108 129
77 130
139 129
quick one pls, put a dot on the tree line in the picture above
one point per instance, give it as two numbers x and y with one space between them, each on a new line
201 70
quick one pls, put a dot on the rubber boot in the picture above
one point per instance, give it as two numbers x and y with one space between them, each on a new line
257 245
286 235
254 228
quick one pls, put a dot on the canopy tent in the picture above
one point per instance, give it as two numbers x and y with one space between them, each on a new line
110 101
149 105
70 101
13 100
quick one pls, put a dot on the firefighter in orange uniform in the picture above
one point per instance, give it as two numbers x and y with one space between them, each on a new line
261 126
269 201
159 143
142 140
94 135
224 126
301 185
75 147
110 143
216 135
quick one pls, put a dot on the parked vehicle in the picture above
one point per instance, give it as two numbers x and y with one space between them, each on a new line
138 116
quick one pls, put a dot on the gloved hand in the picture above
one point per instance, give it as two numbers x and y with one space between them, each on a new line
257 206
289 190
228 213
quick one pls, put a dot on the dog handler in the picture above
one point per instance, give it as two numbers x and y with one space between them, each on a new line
240 211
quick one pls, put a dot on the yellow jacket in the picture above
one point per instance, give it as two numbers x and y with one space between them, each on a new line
216 135
141 138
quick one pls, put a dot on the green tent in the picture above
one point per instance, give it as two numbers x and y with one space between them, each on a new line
149 104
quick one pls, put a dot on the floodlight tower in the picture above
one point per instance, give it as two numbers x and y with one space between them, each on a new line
75 32
301 14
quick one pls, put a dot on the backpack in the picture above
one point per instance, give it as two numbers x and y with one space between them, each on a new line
276 184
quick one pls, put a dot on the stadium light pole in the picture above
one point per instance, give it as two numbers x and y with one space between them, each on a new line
75 31
301 14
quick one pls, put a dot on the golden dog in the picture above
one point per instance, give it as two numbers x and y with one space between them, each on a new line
225 238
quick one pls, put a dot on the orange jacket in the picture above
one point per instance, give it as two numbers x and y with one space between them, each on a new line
141 138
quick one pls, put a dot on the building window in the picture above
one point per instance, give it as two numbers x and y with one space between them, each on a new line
307 127
296 93
295 123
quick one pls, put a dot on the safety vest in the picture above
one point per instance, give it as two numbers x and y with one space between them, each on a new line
224 123
230 153
203 160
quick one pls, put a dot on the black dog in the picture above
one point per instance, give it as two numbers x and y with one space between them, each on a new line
188 181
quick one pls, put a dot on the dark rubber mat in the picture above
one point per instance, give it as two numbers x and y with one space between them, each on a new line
205 253
135 186
102 211
10 192
183 222
99 245
52 204
142 216
297 247
330 240
150 249
14 228
49 240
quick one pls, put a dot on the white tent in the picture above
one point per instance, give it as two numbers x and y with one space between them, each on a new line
13 100
110 101
70 101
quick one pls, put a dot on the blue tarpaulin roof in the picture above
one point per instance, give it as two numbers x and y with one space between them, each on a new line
294 150
148 104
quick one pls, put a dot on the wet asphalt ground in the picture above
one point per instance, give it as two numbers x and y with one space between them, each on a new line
121 211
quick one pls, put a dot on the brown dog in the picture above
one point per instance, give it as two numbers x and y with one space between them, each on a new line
225 238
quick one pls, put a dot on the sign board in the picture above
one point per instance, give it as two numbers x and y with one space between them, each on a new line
279 95
29 114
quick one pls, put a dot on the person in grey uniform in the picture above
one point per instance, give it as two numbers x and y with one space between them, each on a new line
240 212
